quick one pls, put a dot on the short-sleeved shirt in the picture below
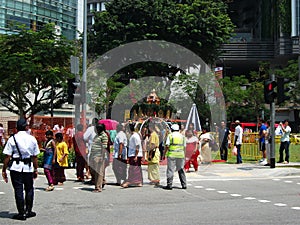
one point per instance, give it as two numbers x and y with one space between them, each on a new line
28 147
120 138
238 134
286 134
99 145
261 133
89 136
135 140
61 149
223 135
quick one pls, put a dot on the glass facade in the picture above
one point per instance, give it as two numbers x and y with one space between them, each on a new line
94 6
35 13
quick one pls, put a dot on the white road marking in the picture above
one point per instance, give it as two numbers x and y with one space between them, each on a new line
2 193
276 179
249 198
288 181
199 187
235 195
296 208
210 189
280 204
58 188
264 201
76 188
222 192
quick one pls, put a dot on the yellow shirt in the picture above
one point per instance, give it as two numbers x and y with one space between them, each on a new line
61 149
154 139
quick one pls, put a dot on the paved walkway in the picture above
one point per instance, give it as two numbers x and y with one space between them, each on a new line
216 171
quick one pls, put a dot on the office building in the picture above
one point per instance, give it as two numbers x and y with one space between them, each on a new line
35 13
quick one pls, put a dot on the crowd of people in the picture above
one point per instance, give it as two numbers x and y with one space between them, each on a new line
184 148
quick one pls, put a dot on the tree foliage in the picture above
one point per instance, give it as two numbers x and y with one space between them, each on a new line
200 26
244 97
291 72
34 67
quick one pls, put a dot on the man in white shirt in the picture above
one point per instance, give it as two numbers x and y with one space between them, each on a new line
120 155
88 137
285 142
23 168
135 155
238 140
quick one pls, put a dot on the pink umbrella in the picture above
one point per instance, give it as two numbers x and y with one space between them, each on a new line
109 124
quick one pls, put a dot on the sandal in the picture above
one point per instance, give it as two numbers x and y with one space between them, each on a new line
96 191
50 188
125 185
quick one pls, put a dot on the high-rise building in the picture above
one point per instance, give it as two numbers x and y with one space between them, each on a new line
35 13
295 8
94 6
266 30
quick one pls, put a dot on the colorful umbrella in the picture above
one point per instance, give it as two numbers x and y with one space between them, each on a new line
109 124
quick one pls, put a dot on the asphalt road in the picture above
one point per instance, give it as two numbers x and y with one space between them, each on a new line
217 194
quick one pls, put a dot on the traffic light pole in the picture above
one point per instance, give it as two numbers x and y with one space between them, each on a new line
84 63
272 130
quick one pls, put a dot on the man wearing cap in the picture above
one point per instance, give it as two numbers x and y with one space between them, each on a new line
175 151
23 169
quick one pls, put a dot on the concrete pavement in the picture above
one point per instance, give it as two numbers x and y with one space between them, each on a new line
215 171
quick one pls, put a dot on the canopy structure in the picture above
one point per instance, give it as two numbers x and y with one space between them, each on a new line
194 118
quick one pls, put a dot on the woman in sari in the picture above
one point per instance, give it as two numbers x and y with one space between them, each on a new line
49 159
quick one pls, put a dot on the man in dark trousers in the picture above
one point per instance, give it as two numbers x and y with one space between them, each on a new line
23 149
224 140
175 151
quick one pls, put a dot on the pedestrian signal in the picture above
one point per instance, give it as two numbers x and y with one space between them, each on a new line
269 91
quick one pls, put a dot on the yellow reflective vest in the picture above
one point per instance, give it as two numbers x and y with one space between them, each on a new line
177 145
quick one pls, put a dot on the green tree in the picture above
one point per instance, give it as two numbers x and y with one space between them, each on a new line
34 67
201 26
243 97
291 72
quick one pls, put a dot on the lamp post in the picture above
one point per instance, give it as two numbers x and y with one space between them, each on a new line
84 59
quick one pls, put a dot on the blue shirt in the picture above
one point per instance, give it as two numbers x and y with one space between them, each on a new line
261 129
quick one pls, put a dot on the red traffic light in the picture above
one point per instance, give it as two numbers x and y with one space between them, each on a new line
269 92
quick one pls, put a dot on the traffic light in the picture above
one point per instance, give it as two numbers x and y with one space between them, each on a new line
281 90
269 91
73 87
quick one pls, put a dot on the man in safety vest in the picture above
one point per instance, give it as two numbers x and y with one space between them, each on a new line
175 151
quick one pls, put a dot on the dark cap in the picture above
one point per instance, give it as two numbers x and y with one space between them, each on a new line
21 124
